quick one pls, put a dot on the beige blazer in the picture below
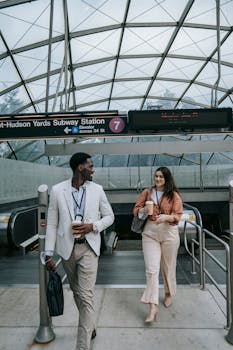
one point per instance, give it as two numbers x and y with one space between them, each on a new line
61 213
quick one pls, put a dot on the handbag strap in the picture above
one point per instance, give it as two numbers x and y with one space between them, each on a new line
158 204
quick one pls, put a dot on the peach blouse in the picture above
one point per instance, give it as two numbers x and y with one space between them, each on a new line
171 207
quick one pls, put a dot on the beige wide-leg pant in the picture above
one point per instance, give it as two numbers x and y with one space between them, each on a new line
81 270
160 244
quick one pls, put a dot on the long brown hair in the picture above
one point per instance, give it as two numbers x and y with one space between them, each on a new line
169 186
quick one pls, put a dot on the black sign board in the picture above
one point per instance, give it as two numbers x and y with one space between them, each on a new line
60 126
181 119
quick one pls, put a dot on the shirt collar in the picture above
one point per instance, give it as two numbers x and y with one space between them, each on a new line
83 187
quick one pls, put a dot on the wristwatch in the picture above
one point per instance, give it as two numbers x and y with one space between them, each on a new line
94 228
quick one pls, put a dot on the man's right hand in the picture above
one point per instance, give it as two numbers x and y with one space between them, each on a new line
50 264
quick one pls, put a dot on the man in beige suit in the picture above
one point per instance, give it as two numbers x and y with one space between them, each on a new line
78 198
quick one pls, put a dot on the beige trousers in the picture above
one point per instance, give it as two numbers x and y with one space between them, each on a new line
81 270
160 244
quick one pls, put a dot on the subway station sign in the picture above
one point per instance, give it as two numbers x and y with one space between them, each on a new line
62 126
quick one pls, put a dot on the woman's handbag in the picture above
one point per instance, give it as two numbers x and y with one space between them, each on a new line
138 224
55 298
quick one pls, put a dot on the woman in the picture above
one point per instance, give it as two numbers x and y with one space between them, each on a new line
160 238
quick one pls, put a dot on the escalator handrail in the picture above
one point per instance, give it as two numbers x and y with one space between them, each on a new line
17 212
13 216
196 211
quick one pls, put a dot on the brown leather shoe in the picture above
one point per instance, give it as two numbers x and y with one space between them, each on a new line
93 335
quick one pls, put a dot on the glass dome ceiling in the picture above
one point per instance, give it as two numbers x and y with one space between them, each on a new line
79 55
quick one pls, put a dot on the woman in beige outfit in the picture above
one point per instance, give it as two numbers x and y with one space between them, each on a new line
160 238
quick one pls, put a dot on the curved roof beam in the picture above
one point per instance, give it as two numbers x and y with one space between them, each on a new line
135 56
86 86
82 33
90 103
12 150
61 37
49 53
106 59
71 66
204 65
227 94
119 50
174 24
9 3
171 41
18 71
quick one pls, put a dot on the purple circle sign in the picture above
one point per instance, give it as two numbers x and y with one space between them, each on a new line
116 125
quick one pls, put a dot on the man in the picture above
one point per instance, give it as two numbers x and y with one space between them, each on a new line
80 198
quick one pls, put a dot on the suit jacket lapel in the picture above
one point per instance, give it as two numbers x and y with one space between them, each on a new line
87 202
68 197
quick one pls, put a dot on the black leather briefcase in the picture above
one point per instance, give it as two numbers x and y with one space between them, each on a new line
55 298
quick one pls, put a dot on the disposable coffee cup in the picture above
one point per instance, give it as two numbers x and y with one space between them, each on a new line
75 233
149 206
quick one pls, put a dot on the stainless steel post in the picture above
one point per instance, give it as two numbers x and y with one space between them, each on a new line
231 206
45 332
193 257
229 336
201 257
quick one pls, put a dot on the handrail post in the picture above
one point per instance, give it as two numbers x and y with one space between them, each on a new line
45 332
193 261
229 336
201 257
231 206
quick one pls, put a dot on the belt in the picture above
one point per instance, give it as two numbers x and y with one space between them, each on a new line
80 240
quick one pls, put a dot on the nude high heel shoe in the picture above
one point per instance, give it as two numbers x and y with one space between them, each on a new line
167 300
152 315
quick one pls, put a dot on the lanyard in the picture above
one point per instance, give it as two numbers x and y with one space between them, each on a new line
80 204
158 201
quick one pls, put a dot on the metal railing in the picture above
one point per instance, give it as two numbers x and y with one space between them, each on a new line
192 253
225 268
197 213
229 336
203 251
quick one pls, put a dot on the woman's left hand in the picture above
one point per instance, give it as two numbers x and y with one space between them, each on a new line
161 218
164 218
